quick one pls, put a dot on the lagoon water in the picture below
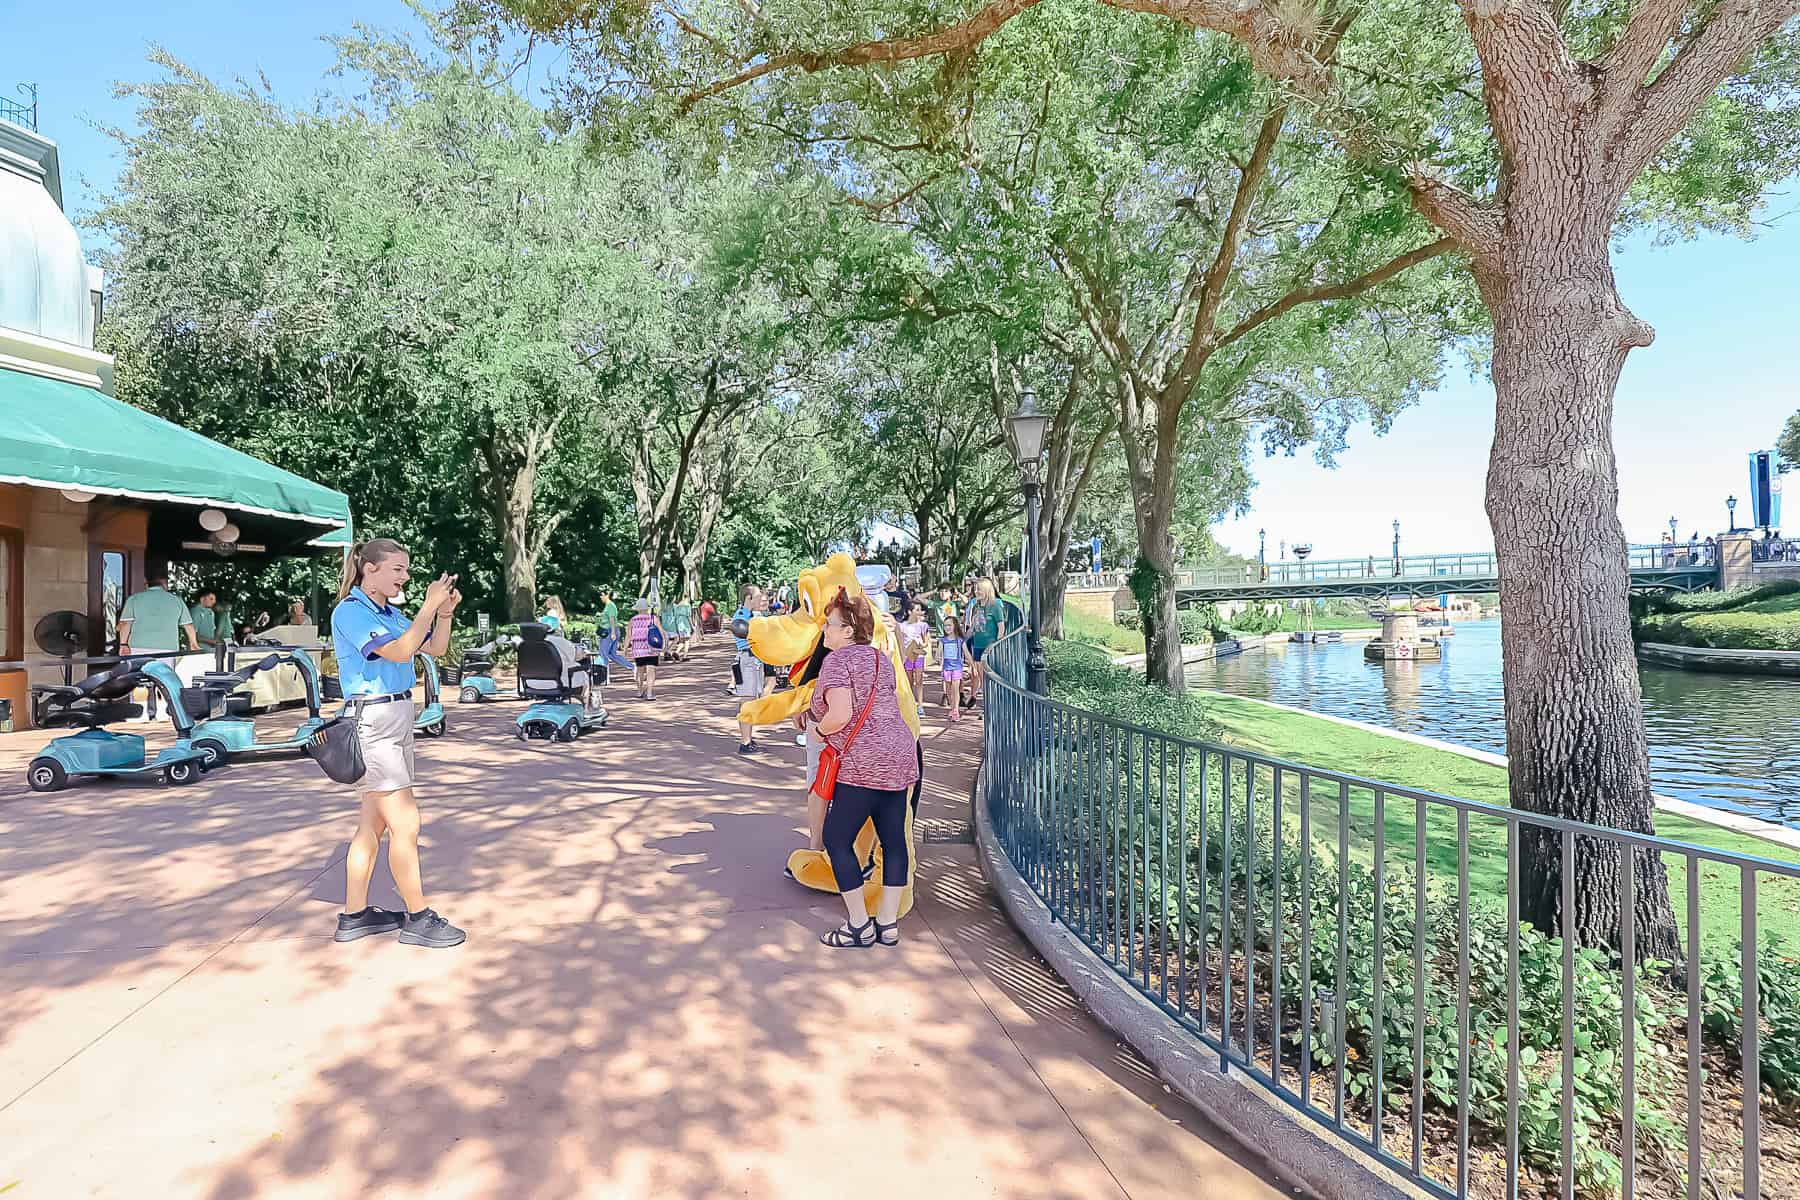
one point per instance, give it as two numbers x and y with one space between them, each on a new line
1727 741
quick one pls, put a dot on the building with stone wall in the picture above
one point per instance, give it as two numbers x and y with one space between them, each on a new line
94 492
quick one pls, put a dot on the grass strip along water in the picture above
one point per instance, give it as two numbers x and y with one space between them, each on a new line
1084 678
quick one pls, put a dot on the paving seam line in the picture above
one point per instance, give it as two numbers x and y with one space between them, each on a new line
217 950
1023 1057
1264 1128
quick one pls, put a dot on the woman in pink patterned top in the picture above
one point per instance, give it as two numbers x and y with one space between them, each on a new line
644 656
879 765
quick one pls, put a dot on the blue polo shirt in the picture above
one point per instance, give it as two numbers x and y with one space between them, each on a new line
358 629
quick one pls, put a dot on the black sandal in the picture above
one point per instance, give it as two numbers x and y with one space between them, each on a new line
850 937
887 935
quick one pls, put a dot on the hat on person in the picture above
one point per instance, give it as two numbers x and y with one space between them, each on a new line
642 605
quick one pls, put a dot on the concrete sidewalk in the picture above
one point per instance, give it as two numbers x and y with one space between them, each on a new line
641 1009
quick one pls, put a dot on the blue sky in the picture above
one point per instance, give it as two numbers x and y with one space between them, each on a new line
1718 383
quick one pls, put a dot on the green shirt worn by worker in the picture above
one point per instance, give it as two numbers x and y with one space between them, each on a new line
156 616
609 616
206 624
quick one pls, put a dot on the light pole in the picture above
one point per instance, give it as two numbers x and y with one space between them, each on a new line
1673 527
1396 547
1731 513
1028 428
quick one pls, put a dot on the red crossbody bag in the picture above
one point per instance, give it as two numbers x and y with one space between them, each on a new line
830 757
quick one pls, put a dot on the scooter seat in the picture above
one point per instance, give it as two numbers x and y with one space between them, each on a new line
91 716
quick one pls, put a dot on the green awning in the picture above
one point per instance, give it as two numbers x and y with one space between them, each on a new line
63 435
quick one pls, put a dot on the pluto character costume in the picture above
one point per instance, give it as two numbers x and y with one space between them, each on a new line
795 639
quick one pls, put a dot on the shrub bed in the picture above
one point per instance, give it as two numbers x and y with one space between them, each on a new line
1761 618
1180 895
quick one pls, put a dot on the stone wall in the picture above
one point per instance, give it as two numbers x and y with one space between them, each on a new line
57 534
1105 603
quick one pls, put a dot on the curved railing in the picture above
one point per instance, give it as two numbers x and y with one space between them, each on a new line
1644 559
1244 896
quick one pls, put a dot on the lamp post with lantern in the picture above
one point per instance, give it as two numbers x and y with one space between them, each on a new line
1731 513
1028 427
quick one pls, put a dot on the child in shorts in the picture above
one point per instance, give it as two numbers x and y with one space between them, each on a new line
952 647
915 648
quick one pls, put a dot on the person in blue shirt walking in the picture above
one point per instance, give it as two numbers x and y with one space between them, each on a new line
375 643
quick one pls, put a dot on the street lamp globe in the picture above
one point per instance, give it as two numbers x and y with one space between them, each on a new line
1028 427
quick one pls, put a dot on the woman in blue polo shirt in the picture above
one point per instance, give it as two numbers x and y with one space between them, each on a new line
375 643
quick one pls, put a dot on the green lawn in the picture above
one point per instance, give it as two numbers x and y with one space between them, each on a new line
1089 630
1084 679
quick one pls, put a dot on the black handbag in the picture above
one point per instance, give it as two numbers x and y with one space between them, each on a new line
337 749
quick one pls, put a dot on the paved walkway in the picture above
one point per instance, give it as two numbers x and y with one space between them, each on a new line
641 1009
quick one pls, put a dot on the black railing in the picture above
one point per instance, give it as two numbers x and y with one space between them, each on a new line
21 114
1356 948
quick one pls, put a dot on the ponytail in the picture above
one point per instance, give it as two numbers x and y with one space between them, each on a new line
365 554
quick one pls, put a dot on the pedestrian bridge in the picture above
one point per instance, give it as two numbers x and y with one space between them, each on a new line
1653 568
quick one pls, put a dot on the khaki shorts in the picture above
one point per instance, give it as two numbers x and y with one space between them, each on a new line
386 731
750 675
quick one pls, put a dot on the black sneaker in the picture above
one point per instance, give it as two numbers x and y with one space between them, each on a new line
747 749
428 929
370 920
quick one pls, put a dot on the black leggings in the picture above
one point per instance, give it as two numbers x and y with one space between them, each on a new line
851 805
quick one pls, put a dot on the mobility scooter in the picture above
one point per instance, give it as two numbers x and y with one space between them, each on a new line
94 702
566 699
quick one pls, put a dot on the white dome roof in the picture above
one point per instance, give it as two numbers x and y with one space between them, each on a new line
43 276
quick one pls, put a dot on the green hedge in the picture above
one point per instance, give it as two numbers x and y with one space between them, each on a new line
1765 618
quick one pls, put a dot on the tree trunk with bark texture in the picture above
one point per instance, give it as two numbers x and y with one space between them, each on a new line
1574 712
510 475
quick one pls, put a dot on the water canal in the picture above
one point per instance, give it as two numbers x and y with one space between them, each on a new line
1726 741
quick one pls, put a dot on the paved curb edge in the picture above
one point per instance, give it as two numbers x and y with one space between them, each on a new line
1261 1124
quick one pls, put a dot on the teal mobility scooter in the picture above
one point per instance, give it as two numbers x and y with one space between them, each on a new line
432 721
566 698
94 702
477 683
478 674
221 738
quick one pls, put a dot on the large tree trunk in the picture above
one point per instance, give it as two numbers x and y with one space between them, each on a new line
1155 589
510 478
1053 585
1574 714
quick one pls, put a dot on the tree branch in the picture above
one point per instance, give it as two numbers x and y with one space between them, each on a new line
1338 291
982 25
1212 289
1640 46
1737 27
1277 49
1474 225
1530 76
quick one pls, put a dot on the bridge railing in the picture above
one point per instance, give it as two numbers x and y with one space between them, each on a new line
1480 564
1356 948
